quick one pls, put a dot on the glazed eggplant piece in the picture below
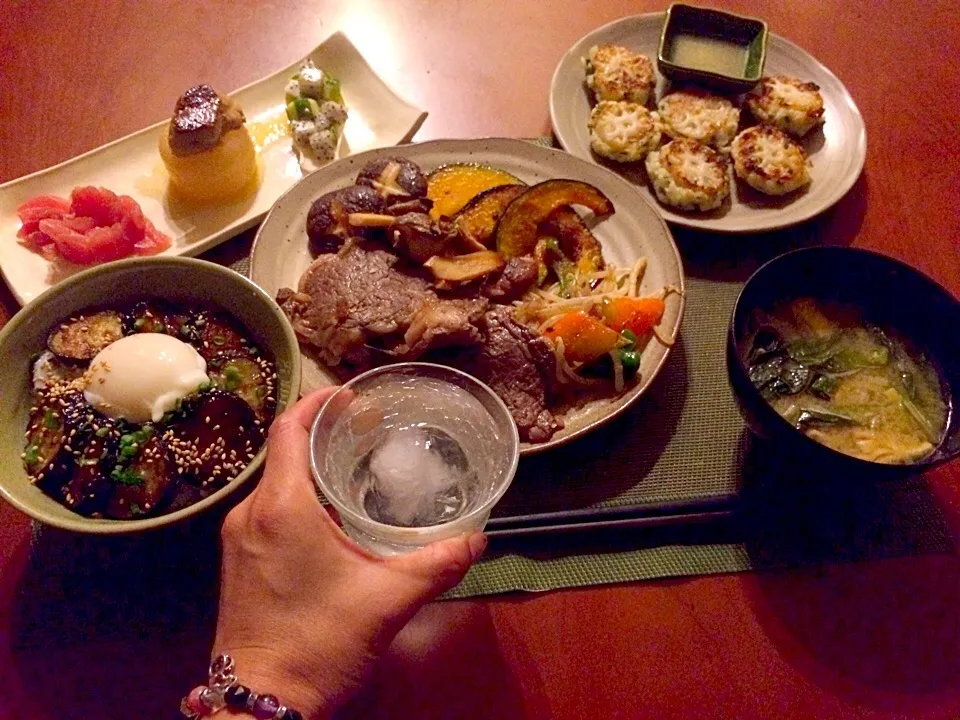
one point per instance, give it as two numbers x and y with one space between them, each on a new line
218 334
148 317
217 437
83 336
49 370
328 222
183 325
89 487
145 318
144 484
249 378
397 179
59 426
46 457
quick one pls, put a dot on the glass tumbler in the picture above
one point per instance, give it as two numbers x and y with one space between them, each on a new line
413 453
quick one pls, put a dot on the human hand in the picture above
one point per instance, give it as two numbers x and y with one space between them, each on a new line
304 611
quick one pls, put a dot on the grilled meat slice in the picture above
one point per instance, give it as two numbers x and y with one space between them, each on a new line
510 283
361 302
347 300
200 117
519 366
442 323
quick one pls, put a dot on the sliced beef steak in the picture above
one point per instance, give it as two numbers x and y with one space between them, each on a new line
352 304
520 366
510 283
443 323
346 300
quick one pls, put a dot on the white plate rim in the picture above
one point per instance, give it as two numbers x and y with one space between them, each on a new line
462 146
841 189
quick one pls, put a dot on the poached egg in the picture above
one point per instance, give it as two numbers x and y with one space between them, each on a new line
140 377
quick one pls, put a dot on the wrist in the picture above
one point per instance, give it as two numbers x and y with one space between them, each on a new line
265 671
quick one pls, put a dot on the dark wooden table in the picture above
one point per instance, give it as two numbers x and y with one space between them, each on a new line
878 639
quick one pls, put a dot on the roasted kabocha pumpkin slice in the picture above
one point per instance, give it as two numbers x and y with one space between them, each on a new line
478 219
518 229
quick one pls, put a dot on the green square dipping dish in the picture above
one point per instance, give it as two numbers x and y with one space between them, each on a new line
709 47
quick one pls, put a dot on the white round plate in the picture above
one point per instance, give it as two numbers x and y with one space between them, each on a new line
837 151
280 253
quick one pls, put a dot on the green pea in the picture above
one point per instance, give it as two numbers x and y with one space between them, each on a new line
630 360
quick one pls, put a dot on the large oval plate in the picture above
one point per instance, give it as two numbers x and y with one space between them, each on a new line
837 152
280 252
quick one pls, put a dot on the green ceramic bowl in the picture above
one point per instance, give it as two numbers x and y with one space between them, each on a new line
176 279
696 45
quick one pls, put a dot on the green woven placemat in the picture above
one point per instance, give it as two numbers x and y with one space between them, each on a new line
684 444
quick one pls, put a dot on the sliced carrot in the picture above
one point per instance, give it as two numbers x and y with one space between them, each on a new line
584 337
638 315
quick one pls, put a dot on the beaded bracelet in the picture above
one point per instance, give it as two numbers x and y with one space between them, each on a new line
223 690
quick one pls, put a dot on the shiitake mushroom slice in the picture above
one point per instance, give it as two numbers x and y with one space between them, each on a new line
83 336
397 179
328 221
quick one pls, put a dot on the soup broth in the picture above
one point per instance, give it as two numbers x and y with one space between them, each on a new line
847 384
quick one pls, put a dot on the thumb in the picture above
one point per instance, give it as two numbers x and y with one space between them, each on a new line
439 566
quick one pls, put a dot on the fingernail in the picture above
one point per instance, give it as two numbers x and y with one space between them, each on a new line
477 543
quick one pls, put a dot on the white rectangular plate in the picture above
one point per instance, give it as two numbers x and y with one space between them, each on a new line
378 117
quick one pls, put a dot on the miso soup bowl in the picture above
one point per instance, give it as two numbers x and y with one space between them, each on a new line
889 294
181 280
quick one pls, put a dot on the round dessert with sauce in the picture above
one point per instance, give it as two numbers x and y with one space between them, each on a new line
144 410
